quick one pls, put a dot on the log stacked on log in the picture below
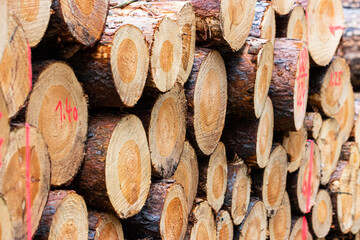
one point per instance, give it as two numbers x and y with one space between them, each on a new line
224 226
294 143
104 226
282 6
201 222
7 231
264 22
292 25
280 223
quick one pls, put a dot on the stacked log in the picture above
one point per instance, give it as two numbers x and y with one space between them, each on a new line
104 226
292 25
280 223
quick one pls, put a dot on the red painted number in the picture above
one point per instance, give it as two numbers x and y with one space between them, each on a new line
302 75
68 110
335 78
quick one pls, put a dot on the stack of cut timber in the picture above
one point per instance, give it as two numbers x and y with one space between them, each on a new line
200 119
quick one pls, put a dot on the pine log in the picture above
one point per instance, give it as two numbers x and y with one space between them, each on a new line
313 123
4 127
255 222
206 94
34 17
356 217
330 87
325 27
342 187
13 178
289 86
213 177
320 218
355 133
65 217
251 139
164 215
280 223
7 231
224 226
349 47
294 143
292 25
114 72
330 148
187 173
264 22
74 24
269 184
297 229
3 26
297 185
237 195
115 175
282 6
350 152
183 13
223 23
249 73
15 68
58 108
202 223
104 226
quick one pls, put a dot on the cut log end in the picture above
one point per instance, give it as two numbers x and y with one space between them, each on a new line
280 223
165 56
34 17
326 20
6 228
237 18
3 26
264 25
4 127
282 6
294 143
104 226
58 107
313 123
321 214
85 19
297 230
12 177
204 223
187 173
224 226
297 27
356 224
15 87
129 63
167 132
265 134
274 180
210 100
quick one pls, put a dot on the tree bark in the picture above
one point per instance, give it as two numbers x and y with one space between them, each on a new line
313 123
263 25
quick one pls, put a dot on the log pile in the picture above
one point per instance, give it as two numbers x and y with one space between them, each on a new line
200 119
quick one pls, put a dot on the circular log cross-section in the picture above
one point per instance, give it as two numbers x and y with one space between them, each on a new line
34 17
104 226
313 123
350 152
282 6
114 72
164 215
289 86
6 228
297 230
65 217
115 175
292 25
187 173
254 225
14 68
264 25
202 218
58 108
76 21
3 26
330 148
206 93
167 130
224 226
249 73
13 178
251 139
294 143
325 28
280 223
330 86
237 196
213 177
321 214
4 127
356 224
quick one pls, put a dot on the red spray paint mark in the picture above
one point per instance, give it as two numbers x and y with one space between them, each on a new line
68 110
335 78
301 77
333 29
30 68
28 181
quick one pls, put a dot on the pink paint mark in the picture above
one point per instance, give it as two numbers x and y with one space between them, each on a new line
307 28
333 29
304 228
28 181
30 68
303 75
1 114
